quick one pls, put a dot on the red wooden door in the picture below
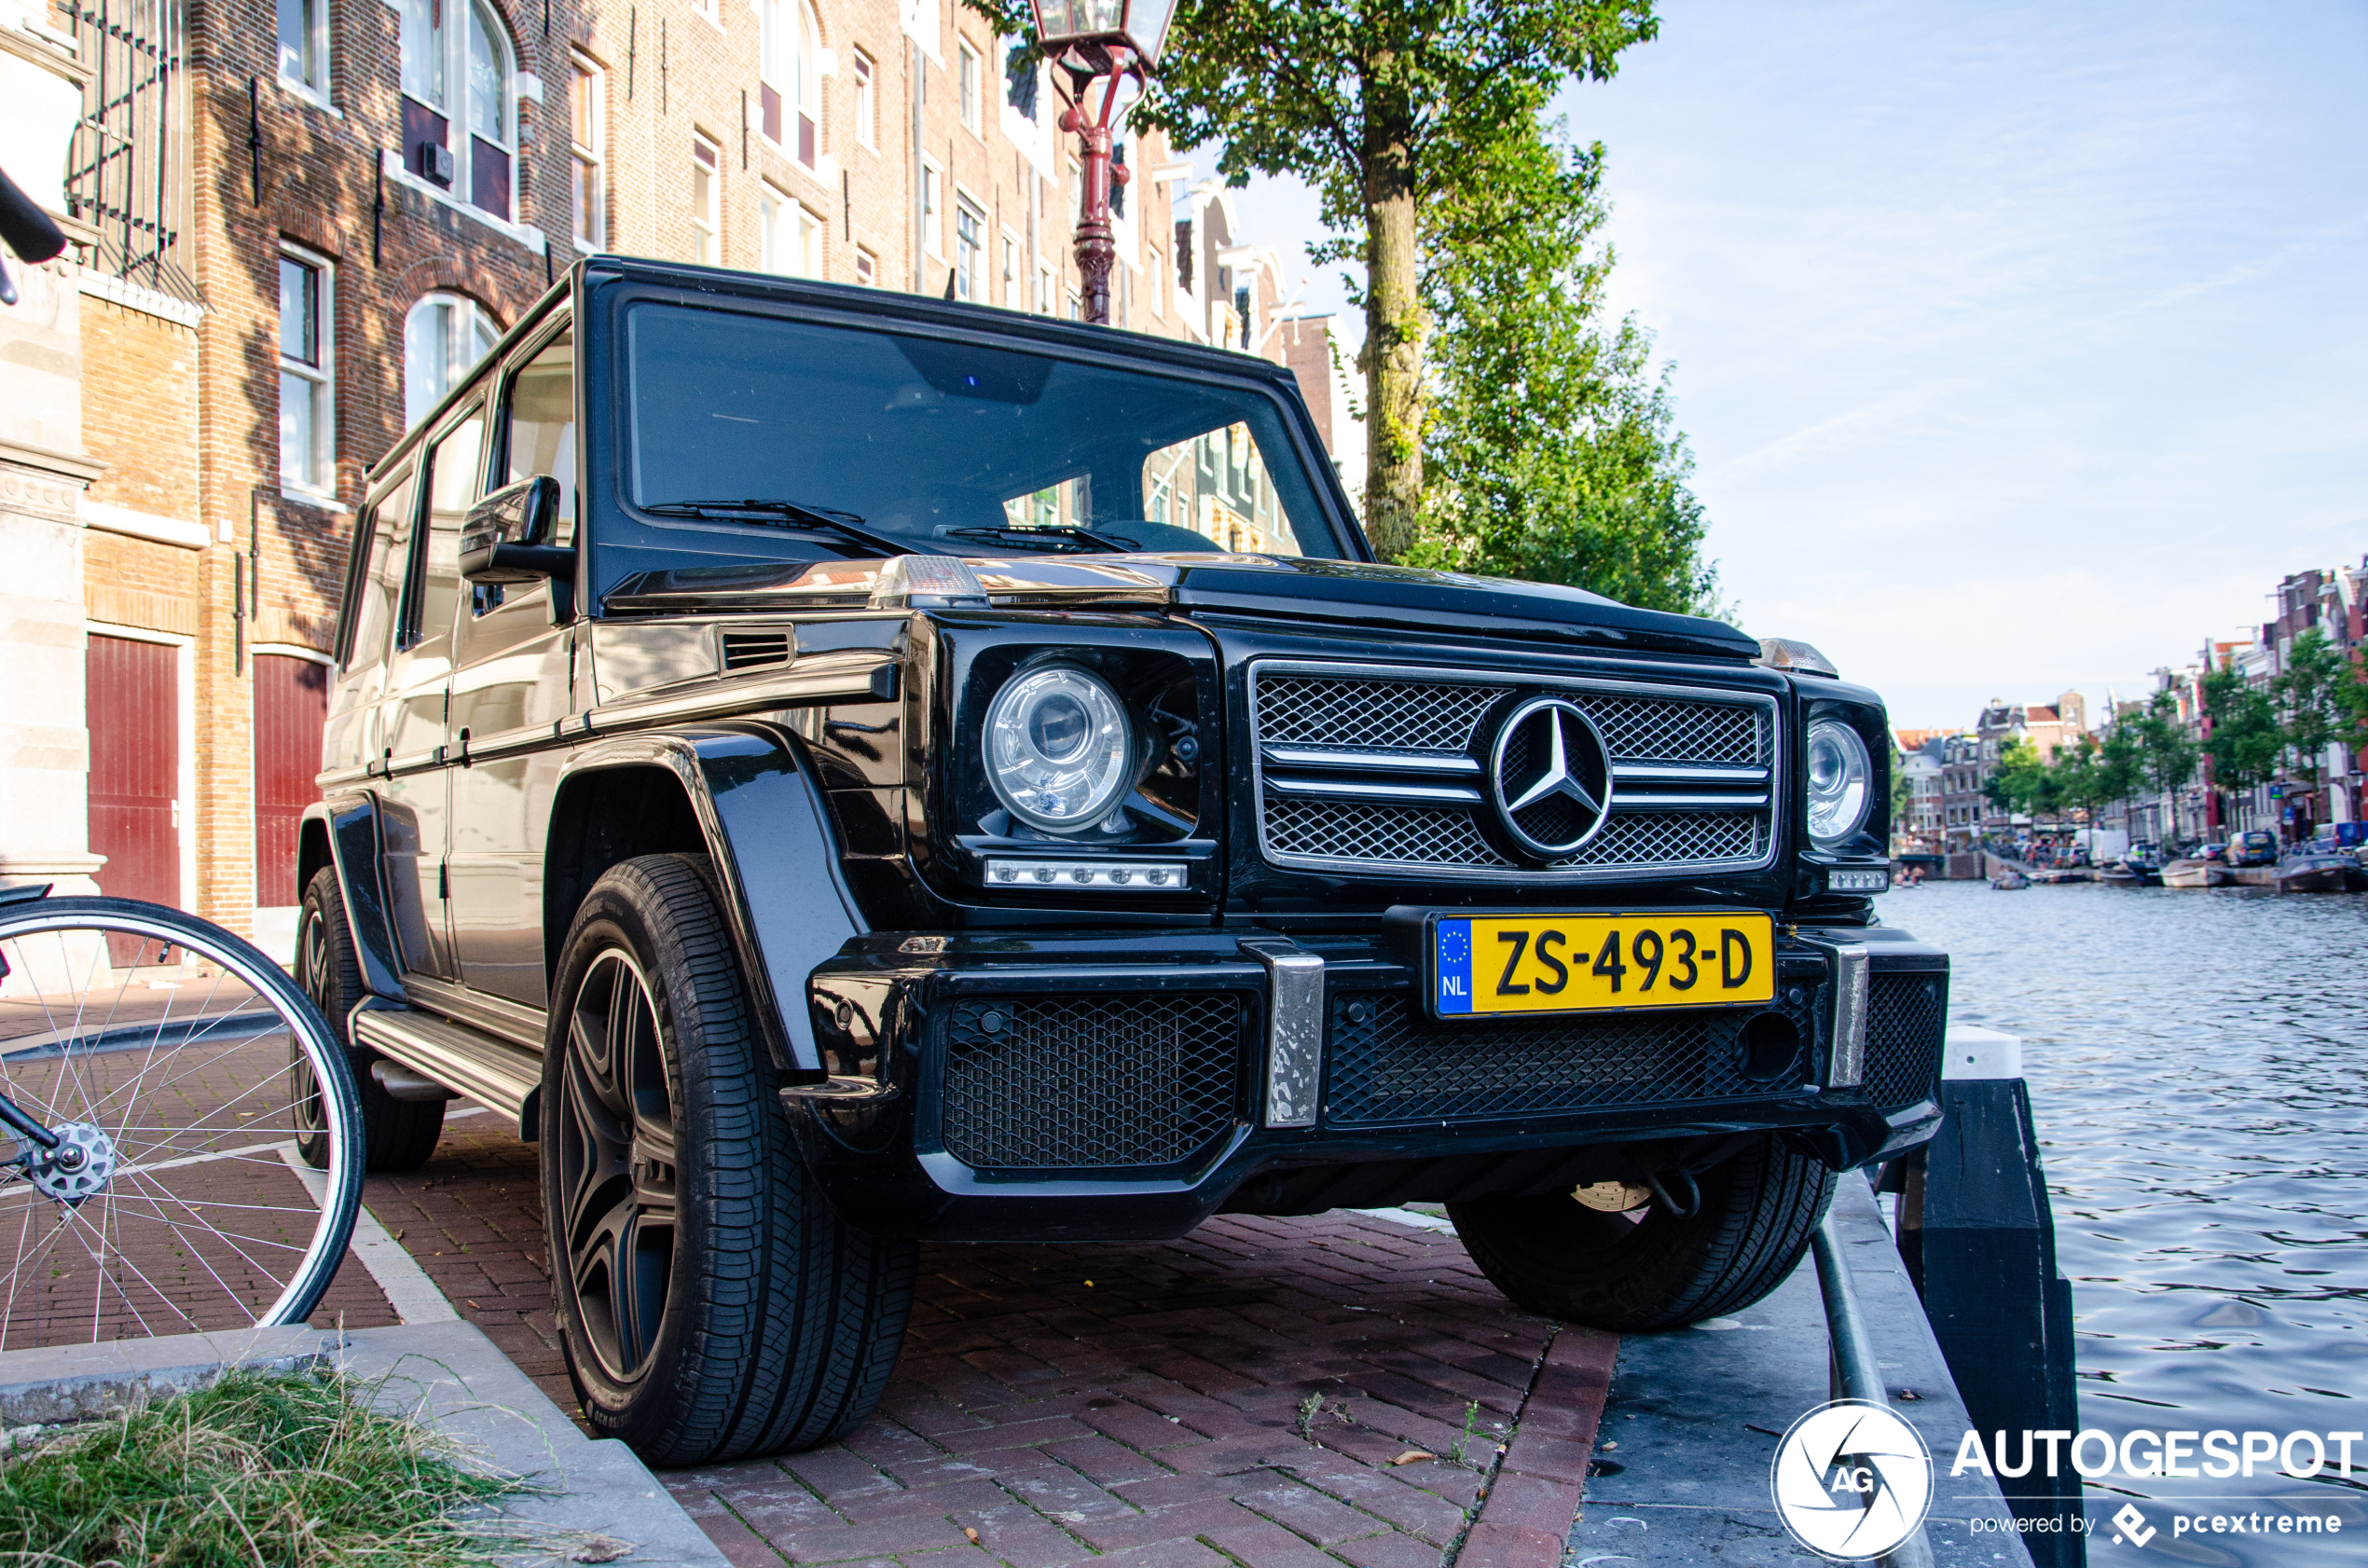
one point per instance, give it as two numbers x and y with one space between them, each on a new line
291 705
134 700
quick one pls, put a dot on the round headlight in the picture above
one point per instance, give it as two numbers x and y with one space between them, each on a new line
1840 781
1059 751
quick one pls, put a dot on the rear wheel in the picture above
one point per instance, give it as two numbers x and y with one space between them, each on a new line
398 1134
1653 1267
711 1303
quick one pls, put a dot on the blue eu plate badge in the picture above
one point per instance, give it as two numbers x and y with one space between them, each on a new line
1455 965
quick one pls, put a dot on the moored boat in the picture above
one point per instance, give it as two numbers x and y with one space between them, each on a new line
2307 872
2010 881
2195 874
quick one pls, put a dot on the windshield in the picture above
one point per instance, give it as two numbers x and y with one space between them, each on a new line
944 447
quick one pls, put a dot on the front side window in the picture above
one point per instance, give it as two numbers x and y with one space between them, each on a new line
730 406
433 596
460 128
308 417
304 45
586 151
443 338
707 192
539 434
382 547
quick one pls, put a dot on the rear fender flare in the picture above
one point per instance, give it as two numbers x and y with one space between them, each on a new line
349 827
787 906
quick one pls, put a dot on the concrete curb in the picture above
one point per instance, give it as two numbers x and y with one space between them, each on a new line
446 1374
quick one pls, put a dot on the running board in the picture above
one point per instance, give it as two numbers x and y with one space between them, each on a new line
503 1078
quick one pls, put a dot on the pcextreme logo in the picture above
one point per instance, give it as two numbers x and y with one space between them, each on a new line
1851 1481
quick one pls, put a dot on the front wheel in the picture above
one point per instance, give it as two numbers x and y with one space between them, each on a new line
711 1303
1654 1268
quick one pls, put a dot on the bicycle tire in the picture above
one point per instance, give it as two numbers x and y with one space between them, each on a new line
191 1149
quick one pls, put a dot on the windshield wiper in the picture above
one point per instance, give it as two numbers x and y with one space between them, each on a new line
846 524
1073 537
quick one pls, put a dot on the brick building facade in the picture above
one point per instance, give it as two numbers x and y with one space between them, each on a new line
341 205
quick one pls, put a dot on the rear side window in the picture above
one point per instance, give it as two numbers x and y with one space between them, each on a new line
434 594
540 417
380 550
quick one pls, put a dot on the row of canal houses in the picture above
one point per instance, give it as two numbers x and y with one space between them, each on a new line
1946 811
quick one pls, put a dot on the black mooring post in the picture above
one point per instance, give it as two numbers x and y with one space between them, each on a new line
1978 1239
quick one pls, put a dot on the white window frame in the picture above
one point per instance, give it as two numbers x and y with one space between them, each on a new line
867 268
469 332
932 208
791 235
1014 273
707 217
310 36
1154 270
1044 290
460 115
591 155
867 107
790 63
970 86
969 270
320 478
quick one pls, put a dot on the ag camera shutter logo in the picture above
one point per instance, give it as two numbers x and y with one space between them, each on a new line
1851 1481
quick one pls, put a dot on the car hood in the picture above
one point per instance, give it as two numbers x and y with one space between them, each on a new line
1291 588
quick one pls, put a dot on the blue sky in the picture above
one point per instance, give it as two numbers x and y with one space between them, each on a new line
2020 346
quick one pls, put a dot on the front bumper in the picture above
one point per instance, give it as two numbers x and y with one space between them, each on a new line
1095 1086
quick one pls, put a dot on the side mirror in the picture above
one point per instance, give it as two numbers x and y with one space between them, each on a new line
505 537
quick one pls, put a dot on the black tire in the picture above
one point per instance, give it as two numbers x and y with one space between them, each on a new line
397 1135
776 1323
1555 1255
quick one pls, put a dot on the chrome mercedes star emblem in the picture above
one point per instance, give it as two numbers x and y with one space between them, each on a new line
1550 777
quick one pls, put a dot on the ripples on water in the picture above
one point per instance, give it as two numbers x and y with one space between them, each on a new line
2199 1069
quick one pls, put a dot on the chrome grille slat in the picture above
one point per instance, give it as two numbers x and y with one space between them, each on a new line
1389 721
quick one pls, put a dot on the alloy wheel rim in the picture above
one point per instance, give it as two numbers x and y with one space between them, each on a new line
616 1166
304 1089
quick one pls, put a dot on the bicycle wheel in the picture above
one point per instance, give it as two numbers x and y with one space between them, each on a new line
172 1067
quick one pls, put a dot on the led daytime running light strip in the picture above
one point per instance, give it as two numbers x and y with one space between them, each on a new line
1130 876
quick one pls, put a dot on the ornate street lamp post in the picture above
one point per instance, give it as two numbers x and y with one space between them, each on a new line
1091 39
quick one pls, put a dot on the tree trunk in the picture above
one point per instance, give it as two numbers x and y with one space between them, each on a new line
1394 324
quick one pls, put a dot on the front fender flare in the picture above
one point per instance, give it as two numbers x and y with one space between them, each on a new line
352 822
775 862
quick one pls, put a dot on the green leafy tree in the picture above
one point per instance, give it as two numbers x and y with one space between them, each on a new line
2119 764
1551 452
1386 108
2021 781
2245 741
2167 756
2311 700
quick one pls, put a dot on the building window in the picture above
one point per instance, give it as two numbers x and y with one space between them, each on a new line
789 72
304 45
970 251
308 409
1154 283
706 193
866 107
585 136
792 237
1076 306
443 338
867 268
1020 75
1077 193
464 140
1010 272
932 204
967 82
1043 289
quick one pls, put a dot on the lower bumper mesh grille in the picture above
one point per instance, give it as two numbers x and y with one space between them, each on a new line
1907 1015
1106 1083
1390 1063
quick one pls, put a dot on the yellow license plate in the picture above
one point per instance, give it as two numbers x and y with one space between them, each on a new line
1582 963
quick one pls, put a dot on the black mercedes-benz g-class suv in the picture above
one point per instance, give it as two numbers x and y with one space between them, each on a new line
842 769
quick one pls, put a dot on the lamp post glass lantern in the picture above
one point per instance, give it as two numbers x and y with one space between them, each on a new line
1098 39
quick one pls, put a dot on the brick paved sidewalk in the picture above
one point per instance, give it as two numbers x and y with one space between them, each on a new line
1236 1397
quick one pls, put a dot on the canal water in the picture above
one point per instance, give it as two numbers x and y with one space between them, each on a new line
2199 1069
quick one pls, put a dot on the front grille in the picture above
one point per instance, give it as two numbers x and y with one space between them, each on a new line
1388 1063
1907 1018
1337 735
1127 1081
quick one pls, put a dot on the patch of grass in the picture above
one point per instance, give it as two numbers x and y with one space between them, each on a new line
261 1470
